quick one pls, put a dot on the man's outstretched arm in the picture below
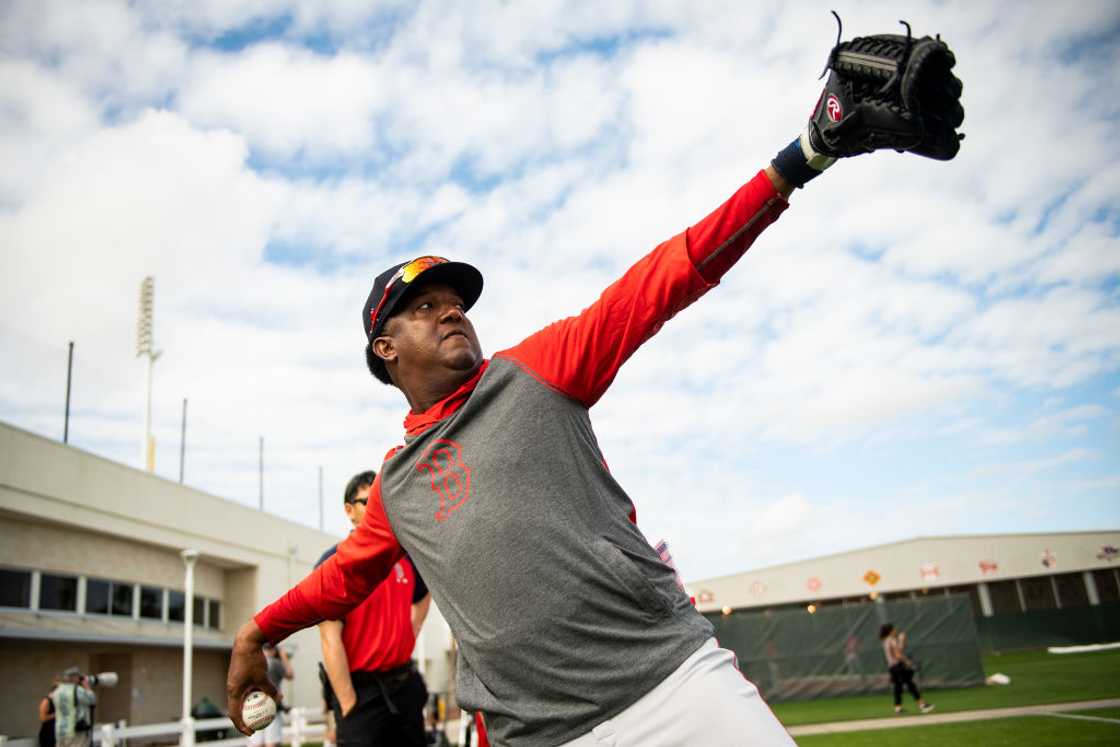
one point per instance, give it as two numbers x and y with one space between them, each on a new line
342 582
915 107
581 355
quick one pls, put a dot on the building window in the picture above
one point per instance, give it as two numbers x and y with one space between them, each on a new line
58 593
176 606
97 596
122 599
1005 598
1107 588
199 611
215 614
15 588
1038 593
1071 590
151 603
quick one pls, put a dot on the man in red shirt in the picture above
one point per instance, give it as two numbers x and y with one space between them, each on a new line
375 693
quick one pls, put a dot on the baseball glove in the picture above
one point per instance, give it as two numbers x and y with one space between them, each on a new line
889 91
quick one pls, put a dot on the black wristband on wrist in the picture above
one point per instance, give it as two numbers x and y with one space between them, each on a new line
793 166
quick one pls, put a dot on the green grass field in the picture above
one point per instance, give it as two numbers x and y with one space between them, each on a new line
1036 677
1036 731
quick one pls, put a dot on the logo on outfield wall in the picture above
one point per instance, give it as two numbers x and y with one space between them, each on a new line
1048 558
929 570
989 567
705 596
758 588
1108 552
871 577
814 584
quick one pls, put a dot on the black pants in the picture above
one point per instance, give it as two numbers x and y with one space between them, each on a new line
372 721
903 675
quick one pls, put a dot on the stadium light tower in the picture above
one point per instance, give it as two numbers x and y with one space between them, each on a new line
145 347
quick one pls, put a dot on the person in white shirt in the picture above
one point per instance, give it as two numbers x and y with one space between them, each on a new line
900 667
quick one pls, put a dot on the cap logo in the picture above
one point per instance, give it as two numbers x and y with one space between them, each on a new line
834 109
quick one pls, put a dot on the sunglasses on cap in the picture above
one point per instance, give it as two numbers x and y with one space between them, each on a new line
406 274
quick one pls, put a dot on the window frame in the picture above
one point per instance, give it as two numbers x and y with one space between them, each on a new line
32 592
78 601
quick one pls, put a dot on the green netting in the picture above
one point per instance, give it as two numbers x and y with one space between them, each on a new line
793 655
1041 628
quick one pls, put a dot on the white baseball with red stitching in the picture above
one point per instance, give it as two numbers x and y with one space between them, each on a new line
258 710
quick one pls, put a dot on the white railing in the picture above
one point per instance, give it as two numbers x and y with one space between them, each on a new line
302 725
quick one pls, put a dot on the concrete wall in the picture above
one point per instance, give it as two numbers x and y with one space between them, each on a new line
149 690
67 511
69 549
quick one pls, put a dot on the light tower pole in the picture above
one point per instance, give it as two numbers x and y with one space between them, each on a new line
145 348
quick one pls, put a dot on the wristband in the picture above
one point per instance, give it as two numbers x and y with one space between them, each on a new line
798 162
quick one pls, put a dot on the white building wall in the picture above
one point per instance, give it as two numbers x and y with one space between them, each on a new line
66 511
912 564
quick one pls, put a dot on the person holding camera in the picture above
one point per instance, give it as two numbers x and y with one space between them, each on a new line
73 701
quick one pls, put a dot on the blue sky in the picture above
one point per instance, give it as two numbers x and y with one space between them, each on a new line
915 348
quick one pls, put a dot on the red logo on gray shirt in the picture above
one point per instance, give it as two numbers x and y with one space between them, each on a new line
451 477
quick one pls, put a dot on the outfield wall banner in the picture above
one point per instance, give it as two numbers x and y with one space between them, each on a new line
793 654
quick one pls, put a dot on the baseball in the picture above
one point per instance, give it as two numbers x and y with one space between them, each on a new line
258 710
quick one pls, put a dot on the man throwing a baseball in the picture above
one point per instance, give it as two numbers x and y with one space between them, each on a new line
571 630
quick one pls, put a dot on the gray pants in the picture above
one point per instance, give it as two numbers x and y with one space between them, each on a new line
706 701
77 739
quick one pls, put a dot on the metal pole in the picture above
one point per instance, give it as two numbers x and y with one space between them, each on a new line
320 498
69 370
183 440
260 475
189 558
148 414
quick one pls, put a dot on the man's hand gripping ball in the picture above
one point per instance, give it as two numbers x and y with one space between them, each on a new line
258 710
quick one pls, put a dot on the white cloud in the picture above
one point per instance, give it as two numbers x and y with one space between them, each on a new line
288 101
900 305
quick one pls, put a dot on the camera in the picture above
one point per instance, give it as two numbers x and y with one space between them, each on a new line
104 679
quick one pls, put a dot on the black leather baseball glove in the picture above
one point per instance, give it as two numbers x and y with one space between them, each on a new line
889 91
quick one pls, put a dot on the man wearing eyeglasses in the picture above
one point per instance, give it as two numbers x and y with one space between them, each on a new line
373 689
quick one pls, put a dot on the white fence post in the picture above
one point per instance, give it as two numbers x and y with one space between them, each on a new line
108 737
298 727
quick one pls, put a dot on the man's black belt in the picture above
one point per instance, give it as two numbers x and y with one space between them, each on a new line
386 680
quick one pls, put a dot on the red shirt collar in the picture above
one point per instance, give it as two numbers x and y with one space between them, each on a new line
416 423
